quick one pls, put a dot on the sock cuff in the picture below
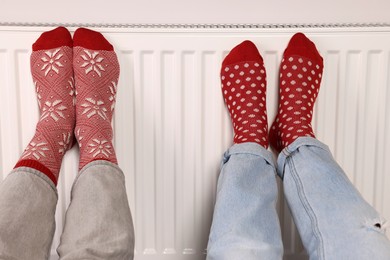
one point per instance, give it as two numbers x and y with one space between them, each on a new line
37 166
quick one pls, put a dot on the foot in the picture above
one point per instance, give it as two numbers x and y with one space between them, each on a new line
300 78
243 79
96 71
52 72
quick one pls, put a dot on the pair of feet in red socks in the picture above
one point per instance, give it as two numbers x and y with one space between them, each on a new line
75 81
243 79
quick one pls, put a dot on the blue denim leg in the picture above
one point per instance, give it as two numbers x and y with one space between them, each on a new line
245 223
333 219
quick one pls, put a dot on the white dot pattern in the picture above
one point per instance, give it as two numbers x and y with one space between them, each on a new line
244 91
298 92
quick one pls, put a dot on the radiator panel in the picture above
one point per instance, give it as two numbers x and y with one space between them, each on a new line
171 126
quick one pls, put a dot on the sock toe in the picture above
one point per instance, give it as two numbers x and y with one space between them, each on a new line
90 39
245 51
300 45
58 37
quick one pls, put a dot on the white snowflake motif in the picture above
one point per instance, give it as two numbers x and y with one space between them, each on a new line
92 62
100 147
37 150
38 90
54 110
52 61
64 143
112 98
72 91
93 107
79 136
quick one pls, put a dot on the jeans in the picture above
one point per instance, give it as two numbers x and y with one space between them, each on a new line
98 222
332 218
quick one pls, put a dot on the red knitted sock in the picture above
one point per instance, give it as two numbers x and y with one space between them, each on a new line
51 67
244 90
96 71
300 77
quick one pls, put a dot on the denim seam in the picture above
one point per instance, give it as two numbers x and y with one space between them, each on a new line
268 160
250 153
307 207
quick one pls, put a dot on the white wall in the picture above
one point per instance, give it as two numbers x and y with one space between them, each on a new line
201 11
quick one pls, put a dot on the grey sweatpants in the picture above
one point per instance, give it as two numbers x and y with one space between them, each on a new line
98 222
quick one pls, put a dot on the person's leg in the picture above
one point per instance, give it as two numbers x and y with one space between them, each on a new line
28 201
98 222
333 219
245 223
28 195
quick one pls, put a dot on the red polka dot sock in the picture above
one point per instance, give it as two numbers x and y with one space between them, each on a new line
300 77
243 79
52 72
96 70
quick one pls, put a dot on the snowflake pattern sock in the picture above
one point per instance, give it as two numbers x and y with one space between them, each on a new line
243 79
300 78
52 72
96 70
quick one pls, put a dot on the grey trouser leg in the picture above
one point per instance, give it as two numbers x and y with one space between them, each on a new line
27 206
98 222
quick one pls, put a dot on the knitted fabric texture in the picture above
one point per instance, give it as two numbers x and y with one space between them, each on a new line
96 71
53 79
243 79
300 77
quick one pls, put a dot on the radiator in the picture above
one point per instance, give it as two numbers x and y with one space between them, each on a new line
171 126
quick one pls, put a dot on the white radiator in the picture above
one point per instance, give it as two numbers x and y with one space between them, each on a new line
171 126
